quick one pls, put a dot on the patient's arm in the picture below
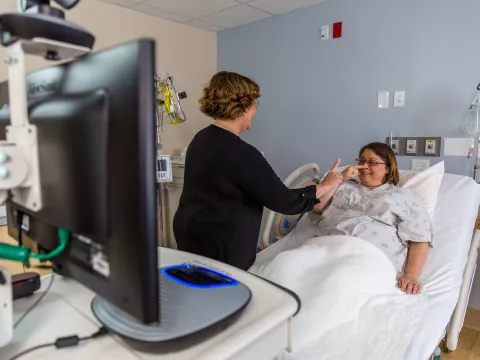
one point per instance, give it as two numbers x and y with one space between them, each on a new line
417 254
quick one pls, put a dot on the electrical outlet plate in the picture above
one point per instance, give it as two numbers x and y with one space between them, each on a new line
411 147
399 99
420 164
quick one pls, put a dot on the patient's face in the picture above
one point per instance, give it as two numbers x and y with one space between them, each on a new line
375 169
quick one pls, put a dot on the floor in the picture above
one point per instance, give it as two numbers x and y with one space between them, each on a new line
468 346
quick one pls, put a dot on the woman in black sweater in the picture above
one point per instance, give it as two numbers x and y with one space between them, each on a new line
228 182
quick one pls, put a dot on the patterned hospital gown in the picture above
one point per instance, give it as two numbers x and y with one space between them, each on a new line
387 217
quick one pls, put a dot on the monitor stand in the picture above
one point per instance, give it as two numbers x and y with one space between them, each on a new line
193 299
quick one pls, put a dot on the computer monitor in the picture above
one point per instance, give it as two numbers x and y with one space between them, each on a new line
96 126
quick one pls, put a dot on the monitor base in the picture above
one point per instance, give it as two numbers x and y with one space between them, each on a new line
188 312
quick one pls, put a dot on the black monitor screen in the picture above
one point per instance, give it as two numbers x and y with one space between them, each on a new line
96 130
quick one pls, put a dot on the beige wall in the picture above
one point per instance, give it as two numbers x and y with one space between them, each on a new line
189 54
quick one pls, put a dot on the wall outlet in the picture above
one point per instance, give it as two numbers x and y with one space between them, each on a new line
411 146
420 165
325 32
399 99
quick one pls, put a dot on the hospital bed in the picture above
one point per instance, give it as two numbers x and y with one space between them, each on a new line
450 268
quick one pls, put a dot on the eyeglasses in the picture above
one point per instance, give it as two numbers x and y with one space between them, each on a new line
370 163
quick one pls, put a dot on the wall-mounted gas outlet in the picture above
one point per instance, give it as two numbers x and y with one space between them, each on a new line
430 147
398 144
411 147
395 146
416 146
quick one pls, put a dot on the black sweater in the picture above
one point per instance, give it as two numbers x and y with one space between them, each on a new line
227 184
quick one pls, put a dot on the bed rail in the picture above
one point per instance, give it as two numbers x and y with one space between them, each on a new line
294 175
458 316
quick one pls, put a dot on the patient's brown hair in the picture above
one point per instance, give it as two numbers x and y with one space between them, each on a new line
385 152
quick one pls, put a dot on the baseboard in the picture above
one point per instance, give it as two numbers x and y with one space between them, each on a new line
472 319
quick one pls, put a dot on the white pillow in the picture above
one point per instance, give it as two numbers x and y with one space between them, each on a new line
424 184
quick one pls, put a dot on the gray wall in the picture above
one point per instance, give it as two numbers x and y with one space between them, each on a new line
319 97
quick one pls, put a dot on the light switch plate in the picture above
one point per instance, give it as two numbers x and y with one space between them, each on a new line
420 165
383 99
325 32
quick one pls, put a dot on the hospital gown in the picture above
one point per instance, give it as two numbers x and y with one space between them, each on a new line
387 217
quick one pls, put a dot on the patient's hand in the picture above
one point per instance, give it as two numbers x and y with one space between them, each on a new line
409 284
351 172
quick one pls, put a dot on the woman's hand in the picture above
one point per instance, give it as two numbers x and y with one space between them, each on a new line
331 182
409 284
328 187
351 172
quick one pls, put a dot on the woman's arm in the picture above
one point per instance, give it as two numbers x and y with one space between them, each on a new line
325 200
254 174
417 254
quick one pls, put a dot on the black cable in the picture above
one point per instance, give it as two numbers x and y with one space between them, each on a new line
19 355
19 223
35 303
63 342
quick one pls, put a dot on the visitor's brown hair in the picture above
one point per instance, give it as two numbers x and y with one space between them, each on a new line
385 152
228 95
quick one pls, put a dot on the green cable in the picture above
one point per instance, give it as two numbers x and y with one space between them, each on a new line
23 254
63 237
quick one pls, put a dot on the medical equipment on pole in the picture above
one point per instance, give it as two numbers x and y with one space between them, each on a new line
169 100
471 128
168 110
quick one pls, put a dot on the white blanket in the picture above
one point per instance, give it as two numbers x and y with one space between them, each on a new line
351 306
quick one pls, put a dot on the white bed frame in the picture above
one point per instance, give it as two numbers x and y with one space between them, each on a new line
451 334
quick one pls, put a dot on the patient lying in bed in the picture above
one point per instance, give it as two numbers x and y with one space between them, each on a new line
370 206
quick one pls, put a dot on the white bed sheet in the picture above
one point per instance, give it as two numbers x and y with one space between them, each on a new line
453 222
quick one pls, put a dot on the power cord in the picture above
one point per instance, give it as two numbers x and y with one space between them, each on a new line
63 342
40 298
23 254
19 224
